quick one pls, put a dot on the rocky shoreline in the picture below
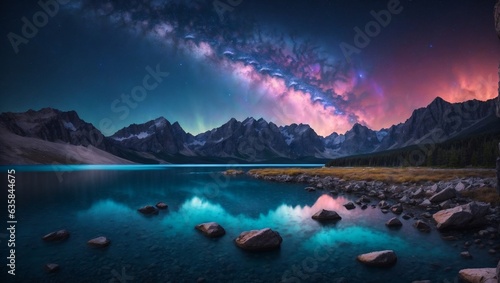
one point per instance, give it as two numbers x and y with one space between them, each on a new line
441 206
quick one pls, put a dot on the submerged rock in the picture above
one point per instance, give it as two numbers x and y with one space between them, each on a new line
148 210
233 172
211 229
462 217
51 267
385 258
422 226
326 215
466 254
478 275
56 236
310 189
393 222
259 240
408 216
99 242
161 205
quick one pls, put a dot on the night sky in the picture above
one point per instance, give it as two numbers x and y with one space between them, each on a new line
203 62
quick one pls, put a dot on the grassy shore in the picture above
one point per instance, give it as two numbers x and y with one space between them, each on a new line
388 175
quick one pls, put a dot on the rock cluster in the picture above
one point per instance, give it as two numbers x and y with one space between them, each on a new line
442 201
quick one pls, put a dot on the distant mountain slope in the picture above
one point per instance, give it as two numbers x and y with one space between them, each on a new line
154 137
54 126
477 147
15 149
251 140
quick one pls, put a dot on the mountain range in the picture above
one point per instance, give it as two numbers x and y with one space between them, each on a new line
51 136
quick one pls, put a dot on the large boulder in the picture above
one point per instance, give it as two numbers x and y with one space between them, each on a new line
478 275
56 236
211 229
326 215
99 242
462 217
259 240
379 259
443 195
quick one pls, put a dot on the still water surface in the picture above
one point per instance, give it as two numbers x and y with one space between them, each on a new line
91 201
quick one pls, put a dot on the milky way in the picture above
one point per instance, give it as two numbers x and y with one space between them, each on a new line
294 70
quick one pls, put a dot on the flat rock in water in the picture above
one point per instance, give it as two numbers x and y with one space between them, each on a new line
161 205
211 229
148 210
259 240
350 205
326 215
393 222
56 236
99 242
385 258
478 275
51 267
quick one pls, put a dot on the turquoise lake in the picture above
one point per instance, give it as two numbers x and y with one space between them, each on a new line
91 201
